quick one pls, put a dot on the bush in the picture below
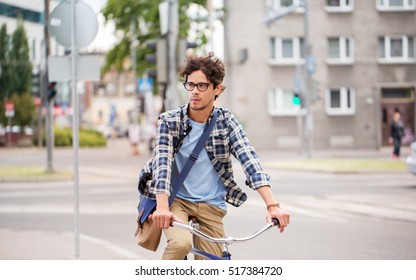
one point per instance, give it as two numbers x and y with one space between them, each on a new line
87 138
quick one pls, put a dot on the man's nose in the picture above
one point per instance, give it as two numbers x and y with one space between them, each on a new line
195 91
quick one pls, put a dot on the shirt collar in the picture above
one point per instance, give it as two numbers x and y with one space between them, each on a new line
185 118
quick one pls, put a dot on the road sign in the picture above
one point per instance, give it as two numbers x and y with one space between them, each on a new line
9 110
87 68
86 25
145 85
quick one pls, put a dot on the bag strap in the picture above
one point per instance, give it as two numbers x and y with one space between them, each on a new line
193 157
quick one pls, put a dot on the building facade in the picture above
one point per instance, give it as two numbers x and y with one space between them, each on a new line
363 69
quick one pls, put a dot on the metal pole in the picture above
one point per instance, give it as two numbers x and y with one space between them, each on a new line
9 136
50 143
307 76
171 91
75 126
133 55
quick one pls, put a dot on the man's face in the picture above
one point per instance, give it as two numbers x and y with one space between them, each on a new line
198 98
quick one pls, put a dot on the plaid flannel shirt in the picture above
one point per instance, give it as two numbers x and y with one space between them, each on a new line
227 138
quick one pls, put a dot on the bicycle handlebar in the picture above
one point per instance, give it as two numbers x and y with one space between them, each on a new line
225 240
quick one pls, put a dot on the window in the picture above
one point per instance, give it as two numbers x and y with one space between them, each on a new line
397 49
12 11
395 5
286 51
280 103
339 5
340 50
340 101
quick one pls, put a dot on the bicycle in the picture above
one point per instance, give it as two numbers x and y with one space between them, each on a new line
193 228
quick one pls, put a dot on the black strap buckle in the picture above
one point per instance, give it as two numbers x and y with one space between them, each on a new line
193 157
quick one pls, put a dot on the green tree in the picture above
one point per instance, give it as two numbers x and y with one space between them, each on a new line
4 79
16 76
20 65
141 17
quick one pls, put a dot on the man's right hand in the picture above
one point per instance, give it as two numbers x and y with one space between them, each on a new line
162 218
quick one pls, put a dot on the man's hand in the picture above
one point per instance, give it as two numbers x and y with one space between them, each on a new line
281 215
162 218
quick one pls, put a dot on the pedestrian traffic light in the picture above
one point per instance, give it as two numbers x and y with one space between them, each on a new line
159 58
51 91
36 84
296 100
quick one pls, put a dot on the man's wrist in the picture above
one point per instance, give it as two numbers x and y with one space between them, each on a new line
272 205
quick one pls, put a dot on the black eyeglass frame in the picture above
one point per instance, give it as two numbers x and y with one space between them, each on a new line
185 84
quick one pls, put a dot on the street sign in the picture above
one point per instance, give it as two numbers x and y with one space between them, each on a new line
9 110
86 24
145 85
87 68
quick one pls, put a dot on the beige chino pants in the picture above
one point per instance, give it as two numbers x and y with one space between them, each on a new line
210 222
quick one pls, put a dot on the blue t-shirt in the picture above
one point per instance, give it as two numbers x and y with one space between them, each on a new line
202 183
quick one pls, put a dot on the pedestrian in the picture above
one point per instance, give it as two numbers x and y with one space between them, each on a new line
210 183
134 137
396 134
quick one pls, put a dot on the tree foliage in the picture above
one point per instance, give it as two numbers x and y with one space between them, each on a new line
20 65
16 76
139 19
4 67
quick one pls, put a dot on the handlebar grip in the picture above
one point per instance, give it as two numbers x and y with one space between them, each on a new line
275 222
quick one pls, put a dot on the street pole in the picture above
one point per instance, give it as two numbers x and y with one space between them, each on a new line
307 83
49 117
172 100
133 57
75 126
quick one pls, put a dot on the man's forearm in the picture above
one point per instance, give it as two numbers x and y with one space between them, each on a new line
162 201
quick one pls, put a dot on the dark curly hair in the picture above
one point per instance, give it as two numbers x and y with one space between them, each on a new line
210 65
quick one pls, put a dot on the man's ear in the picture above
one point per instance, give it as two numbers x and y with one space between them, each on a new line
219 88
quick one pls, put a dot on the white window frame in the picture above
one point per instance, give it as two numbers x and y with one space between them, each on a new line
278 52
343 59
342 8
405 59
344 110
384 6
275 102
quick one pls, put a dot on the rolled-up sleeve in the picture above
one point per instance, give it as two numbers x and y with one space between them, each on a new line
247 156
163 159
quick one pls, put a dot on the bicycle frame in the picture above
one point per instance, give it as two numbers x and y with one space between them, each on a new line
226 240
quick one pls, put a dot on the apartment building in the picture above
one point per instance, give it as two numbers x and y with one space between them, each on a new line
364 68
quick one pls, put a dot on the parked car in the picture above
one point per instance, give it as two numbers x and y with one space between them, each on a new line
411 159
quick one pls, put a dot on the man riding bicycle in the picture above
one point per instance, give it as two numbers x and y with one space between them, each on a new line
210 183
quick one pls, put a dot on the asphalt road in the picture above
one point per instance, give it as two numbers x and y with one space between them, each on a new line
333 216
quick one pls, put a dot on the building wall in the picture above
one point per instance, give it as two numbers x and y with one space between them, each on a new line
251 79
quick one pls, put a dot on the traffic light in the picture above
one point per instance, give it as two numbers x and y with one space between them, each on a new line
297 100
51 91
159 58
35 84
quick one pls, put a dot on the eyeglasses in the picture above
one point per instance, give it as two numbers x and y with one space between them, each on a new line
200 86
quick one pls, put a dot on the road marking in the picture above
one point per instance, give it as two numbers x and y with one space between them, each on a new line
291 208
111 246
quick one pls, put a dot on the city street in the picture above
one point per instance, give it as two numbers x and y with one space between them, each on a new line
333 216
